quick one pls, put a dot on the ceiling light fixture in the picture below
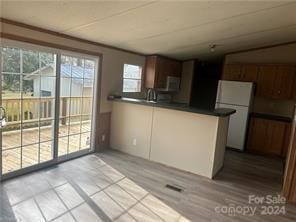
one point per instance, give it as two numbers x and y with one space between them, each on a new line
213 48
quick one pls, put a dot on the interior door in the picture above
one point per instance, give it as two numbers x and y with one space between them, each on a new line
28 99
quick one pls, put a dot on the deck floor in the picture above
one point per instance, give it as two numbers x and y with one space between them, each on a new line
15 156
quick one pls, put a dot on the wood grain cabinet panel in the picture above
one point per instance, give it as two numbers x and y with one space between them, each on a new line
257 131
158 68
272 80
276 137
268 137
283 82
265 81
232 72
150 72
249 73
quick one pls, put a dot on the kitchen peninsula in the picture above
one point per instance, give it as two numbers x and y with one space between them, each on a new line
173 134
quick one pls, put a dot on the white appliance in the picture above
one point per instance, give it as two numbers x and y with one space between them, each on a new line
238 96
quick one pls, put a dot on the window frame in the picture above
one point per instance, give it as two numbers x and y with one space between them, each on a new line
58 50
135 79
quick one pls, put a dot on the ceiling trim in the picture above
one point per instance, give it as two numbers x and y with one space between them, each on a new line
47 31
47 44
262 47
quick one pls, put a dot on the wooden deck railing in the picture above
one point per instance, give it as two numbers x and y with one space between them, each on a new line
31 109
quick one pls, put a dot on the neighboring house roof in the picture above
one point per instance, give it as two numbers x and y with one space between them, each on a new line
79 74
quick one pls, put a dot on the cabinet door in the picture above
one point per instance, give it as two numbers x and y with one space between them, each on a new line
249 73
166 67
284 82
173 68
257 135
232 72
150 71
161 73
266 78
268 136
276 137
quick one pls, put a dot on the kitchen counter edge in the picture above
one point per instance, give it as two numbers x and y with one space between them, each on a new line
272 117
220 112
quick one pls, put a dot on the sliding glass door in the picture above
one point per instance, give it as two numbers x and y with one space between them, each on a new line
27 138
47 106
76 103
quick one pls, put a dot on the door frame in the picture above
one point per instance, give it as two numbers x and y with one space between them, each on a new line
94 107
289 184
32 44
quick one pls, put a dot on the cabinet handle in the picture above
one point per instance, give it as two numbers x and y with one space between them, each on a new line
279 92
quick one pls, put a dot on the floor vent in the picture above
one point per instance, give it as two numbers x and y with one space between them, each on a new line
173 188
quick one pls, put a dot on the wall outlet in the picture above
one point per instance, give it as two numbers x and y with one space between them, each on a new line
103 137
135 142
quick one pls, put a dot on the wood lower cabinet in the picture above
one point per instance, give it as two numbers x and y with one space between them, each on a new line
158 68
257 131
268 136
276 137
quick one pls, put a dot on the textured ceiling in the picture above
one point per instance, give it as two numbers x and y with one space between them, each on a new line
180 29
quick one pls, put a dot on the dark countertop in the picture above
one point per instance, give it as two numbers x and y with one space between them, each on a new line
272 117
221 112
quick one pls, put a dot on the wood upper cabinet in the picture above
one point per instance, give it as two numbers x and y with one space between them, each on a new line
249 73
283 84
150 72
272 80
268 136
265 81
158 69
240 72
232 72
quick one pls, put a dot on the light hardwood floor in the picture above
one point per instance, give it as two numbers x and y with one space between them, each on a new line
112 186
242 175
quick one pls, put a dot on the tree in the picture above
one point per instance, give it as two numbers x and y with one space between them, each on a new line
11 63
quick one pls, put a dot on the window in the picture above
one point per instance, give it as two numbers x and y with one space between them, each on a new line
132 75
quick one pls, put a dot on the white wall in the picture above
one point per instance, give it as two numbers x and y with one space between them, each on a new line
184 140
129 123
113 60
187 141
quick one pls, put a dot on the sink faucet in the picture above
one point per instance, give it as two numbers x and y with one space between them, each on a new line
151 95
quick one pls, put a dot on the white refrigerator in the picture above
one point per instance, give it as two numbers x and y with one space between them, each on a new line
238 96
